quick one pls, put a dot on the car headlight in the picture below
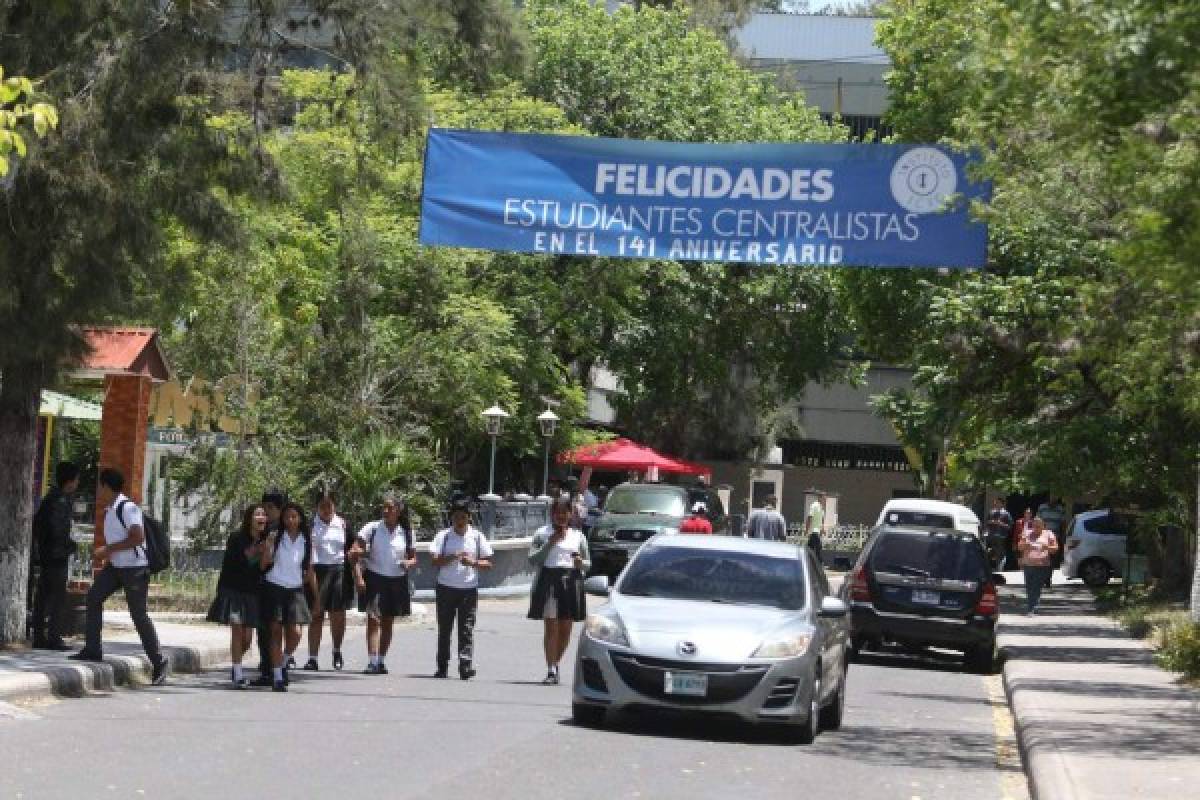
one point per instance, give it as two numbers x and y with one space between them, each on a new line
788 646
602 535
670 531
604 628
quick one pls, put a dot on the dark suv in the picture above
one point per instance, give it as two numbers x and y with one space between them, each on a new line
924 588
634 512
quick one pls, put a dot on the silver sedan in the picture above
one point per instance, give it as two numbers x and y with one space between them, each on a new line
719 625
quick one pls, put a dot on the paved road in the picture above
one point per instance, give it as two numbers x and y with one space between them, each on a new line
915 728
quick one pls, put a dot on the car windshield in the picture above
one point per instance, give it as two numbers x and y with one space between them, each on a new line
716 576
645 501
943 556
919 519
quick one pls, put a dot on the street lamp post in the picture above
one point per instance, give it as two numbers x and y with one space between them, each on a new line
495 417
547 420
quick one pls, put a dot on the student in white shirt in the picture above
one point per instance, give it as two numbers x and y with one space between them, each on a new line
288 561
125 567
335 588
561 553
381 577
459 552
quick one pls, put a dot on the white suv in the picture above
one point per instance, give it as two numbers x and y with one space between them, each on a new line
1095 549
919 512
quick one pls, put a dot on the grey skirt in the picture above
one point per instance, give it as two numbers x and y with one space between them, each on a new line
385 596
335 587
232 607
285 606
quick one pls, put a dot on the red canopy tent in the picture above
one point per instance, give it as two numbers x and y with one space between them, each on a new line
622 454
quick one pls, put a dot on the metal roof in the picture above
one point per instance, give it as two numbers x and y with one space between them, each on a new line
60 405
811 38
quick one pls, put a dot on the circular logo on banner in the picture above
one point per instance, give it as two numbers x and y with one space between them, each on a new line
922 179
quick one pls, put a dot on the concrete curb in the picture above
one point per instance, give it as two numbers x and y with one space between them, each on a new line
1048 774
78 679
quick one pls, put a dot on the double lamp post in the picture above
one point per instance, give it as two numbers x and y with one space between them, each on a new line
494 418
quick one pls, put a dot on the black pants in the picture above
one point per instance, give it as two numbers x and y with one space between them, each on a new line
814 544
136 583
48 602
462 603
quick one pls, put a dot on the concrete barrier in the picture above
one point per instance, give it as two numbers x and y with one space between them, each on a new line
510 566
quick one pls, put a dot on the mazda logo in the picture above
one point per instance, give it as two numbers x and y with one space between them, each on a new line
686 648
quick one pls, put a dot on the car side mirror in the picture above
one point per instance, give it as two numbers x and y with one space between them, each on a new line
597 585
832 607
999 579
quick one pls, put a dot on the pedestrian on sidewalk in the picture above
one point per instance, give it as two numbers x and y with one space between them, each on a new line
239 587
288 559
767 523
53 547
561 554
125 567
1037 549
1020 530
998 526
697 521
458 552
381 577
332 540
814 524
273 501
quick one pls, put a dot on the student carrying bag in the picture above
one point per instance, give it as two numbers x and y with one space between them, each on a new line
157 545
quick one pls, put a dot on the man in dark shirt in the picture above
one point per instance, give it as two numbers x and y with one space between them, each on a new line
53 546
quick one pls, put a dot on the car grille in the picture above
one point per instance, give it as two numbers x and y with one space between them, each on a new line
632 535
726 682
783 693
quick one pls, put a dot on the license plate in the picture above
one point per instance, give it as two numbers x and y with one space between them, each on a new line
687 683
926 597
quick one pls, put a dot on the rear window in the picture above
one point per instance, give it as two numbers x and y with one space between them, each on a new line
918 519
646 501
944 556
1110 524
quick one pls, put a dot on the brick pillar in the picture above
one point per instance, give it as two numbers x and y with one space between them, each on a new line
123 427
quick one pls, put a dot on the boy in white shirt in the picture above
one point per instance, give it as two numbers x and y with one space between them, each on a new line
459 552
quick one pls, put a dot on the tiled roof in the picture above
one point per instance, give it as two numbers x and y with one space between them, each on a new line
124 350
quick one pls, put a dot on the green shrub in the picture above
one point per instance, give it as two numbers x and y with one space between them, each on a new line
1179 647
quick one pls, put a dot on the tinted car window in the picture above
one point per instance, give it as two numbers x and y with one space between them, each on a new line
646 501
725 577
1109 523
920 519
944 556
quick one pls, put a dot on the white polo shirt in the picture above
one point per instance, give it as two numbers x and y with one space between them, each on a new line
386 549
115 532
329 541
561 554
448 542
288 569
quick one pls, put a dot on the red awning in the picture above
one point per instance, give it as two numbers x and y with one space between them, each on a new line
622 454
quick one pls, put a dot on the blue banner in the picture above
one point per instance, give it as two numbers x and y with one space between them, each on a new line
869 205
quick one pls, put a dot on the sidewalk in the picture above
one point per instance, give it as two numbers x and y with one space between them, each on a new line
1095 717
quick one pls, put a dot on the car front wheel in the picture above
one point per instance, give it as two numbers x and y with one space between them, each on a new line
832 713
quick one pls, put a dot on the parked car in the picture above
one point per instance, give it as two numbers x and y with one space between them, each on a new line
636 512
924 588
720 625
918 512
1096 546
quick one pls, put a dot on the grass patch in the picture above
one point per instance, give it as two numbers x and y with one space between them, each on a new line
1167 624
180 592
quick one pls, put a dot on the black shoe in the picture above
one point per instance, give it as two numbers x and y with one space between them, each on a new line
278 686
442 672
85 655
338 663
291 663
381 669
466 672
263 680
161 668
311 665
287 679
371 670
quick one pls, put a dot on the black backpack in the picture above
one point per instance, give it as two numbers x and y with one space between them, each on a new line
157 545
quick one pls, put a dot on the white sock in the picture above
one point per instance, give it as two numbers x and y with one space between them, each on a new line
237 672
278 674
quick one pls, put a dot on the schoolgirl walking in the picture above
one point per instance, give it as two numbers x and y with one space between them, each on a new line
381 577
561 554
459 553
288 558
335 585
239 586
